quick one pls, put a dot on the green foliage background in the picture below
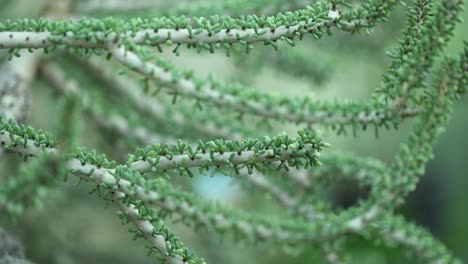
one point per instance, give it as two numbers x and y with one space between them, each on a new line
72 226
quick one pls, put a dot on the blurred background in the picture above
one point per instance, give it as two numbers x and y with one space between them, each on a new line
73 227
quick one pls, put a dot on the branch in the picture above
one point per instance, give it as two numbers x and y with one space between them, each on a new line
395 230
159 236
366 171
413 156
245 100
205 123
429 30
200 33
24 140
302 151
16 77
312 65
286 199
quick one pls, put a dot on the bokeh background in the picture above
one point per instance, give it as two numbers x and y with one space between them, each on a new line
73 227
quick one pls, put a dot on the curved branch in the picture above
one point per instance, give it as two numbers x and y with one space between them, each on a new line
245 100
411 160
